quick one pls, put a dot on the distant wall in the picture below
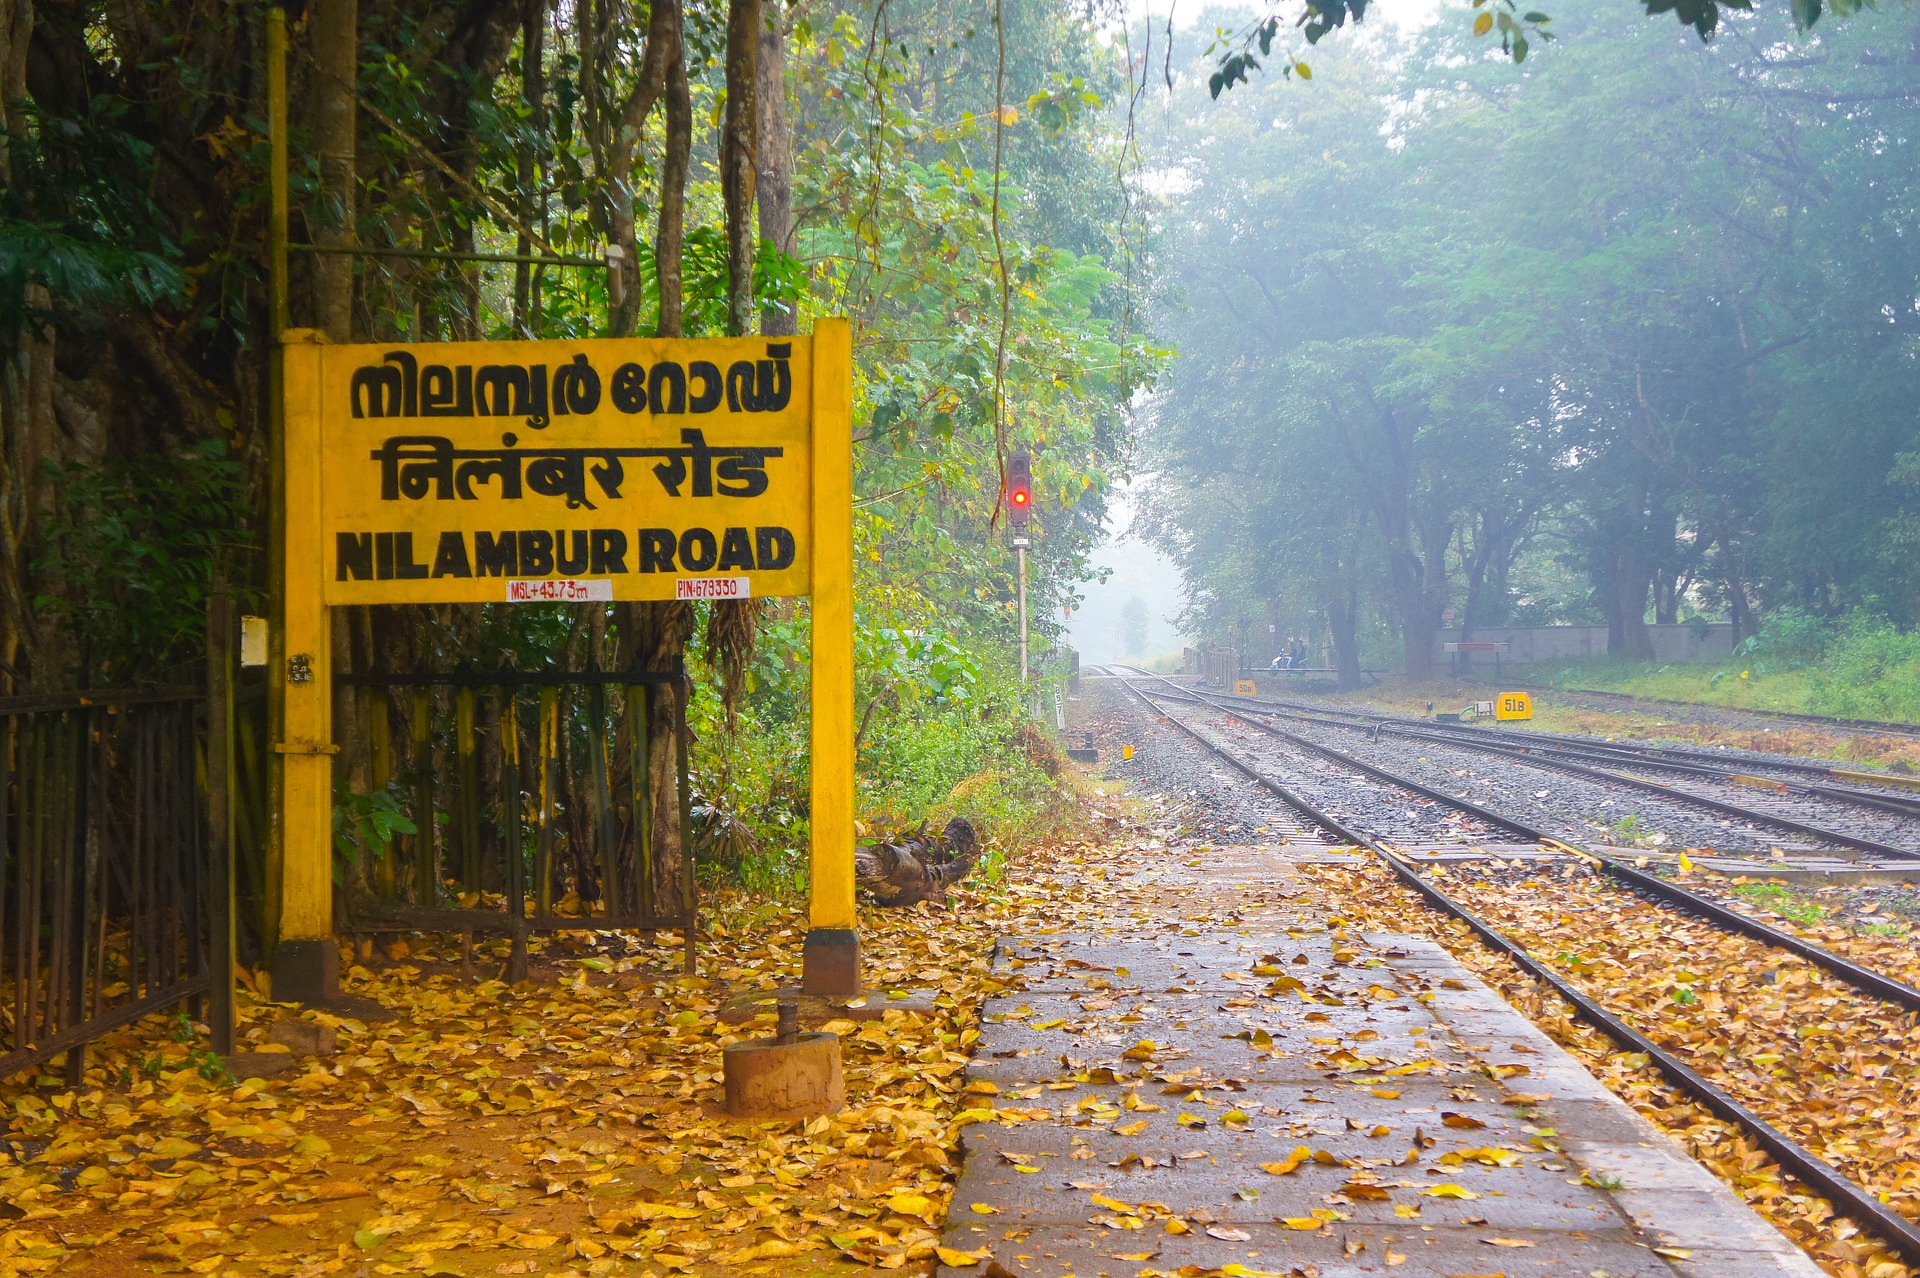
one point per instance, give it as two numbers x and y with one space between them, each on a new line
1539 645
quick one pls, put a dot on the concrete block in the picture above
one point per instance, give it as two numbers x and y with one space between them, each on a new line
304 1038
768 1078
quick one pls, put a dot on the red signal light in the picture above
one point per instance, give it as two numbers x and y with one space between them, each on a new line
1019 492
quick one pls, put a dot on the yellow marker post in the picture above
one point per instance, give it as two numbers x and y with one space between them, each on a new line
306 962
831 962
1509 706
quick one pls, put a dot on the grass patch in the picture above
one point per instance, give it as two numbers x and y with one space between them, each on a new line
1857 667
1782 900
1791 691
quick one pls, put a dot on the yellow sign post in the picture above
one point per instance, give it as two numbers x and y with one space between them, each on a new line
570 471
1509 706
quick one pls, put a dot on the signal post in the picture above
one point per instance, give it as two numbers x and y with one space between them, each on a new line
1019 499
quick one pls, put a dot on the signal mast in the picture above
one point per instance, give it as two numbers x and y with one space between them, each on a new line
1018 498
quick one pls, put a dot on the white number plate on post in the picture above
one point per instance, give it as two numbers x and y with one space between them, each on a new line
713 588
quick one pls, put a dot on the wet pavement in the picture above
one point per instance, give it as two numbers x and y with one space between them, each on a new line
1224 1080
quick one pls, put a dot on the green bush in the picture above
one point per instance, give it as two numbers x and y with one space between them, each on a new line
1870 671
1859 667
943 732
1790 639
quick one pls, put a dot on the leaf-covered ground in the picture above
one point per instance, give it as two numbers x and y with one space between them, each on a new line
1872 924
1832 1068
566 1128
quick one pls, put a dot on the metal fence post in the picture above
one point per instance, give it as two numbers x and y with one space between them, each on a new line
79 888
219 877
689 900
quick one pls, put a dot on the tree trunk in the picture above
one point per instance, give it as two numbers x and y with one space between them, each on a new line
1667 590
616 142
1416 625
775 152
27 440
533 88
1342 620
654 635
1628 579
738 163
16 32
914 867
1340 571
1739 611
671 238
335 27
1476 564
1391 494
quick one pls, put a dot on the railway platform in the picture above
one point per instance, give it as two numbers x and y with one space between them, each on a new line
1222 1079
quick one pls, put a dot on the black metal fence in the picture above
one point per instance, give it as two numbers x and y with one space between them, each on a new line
106 909
528 793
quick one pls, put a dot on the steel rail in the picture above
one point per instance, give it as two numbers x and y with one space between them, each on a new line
1854 1200
1862 978
1708 757
1881 726
1379 774
1663 755
1559 753
1895 804
1856 842
1704 763
1328 823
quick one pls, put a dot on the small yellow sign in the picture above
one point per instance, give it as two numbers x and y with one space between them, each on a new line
484 472
1245 688
1513 705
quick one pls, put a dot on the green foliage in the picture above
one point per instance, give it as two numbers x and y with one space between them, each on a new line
1860 667
364 825
1870 670
946 735
127 554
920 664
1791 639
1426 368
1517 29
1782 900
80 219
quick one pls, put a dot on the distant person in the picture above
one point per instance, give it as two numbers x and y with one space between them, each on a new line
1299 654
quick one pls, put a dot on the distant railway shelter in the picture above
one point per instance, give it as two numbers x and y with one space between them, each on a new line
1463 651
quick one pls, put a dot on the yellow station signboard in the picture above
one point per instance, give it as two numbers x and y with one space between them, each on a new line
568 471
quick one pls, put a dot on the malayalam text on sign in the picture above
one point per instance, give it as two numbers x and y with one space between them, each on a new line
475 472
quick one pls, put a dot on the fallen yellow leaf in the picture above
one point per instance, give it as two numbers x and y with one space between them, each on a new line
335 1190
1448 1190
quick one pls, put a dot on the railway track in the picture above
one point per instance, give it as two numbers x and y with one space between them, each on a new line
1718 757
1879 727
1867 1207
1813 791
